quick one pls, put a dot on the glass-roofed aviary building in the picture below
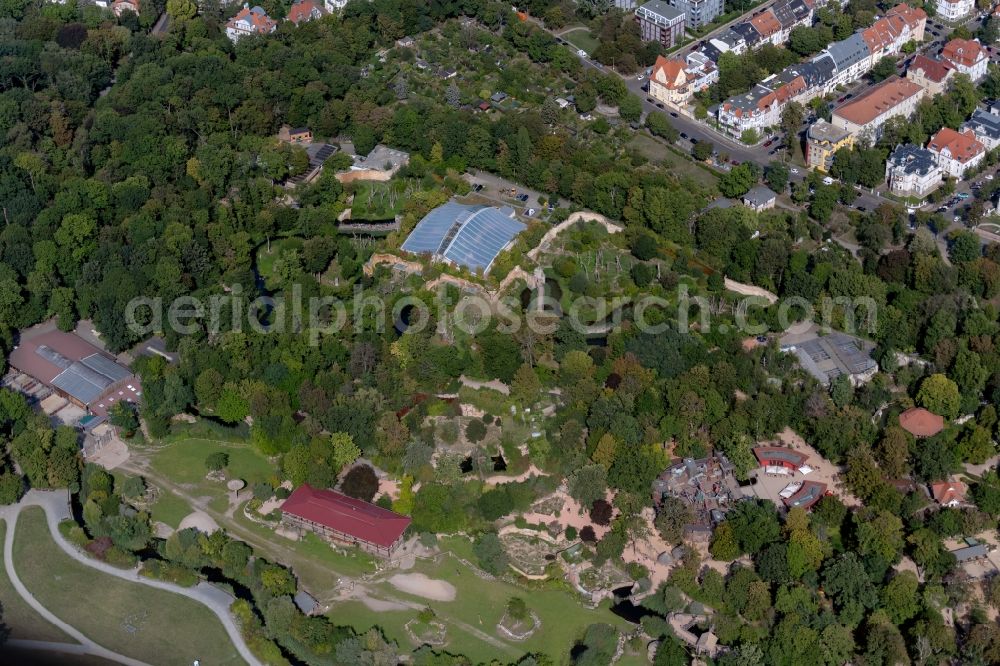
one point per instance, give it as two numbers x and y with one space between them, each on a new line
464 235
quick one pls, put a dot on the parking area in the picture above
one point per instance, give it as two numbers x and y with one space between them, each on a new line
507 193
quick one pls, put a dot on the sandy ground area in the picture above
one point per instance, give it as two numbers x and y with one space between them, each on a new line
571 513
111 455
388 487
645 551
824 471
420 585
199 520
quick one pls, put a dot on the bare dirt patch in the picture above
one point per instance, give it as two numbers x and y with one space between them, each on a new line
420 585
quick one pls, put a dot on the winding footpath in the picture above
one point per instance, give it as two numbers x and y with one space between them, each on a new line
56 507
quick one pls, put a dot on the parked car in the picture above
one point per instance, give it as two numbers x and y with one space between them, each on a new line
862 209
794 171
673 114
683 135
478 187
522 197
659 105
962 196
530 212
989 176
581 53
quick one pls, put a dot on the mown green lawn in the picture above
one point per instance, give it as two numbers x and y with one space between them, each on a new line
582 39
22 620
183 462
152 625
481 604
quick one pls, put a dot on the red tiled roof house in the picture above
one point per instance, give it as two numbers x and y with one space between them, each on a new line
343 519
250 21
967 56
949 493
956 152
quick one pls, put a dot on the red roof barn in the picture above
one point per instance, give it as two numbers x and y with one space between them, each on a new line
345 519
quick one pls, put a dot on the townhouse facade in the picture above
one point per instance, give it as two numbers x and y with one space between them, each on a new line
967 56
250 21
842 62
771 26
659 22
673 80
953 10
823 140
956 152
305 10
865 116
985 125
912 171
931 74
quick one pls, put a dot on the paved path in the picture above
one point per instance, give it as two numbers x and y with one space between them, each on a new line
56 507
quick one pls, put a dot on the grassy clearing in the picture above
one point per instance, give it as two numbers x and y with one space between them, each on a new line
22 620
183 462
656 150
377 201
168 628
265 259
481 605
582 39
170 509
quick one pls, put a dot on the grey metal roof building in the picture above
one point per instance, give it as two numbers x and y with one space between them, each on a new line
464 235
74 368
849 52
827 357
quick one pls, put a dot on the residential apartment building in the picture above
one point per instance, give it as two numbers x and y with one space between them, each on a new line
698 13
771 26
851 57
953 10
668 81
627 5
250 21
912 171
334 5
673 80
967 56
768 27
842 62
659 22
864 116
119 7
986 126
305 10
956 152
823 140
930 74
701 71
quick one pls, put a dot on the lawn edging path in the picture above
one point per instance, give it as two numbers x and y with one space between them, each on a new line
55 504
